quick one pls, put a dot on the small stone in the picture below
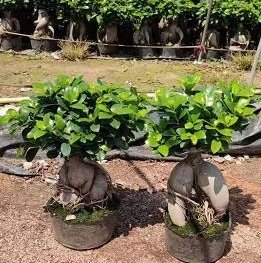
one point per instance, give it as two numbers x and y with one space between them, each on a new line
238 162
219 159
241 159
70 217
228 158
50 180
246 157
27 165
25 89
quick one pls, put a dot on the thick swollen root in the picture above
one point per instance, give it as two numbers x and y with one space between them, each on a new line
79 173
211 181
88 179
177 211
181 179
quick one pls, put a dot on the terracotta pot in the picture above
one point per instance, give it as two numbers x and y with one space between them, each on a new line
197 249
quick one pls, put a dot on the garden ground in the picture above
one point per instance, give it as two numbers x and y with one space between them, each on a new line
145 75
25 231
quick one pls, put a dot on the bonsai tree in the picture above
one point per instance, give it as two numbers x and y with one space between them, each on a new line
79 122
192 120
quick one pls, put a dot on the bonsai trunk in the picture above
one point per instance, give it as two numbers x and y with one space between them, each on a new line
84 182
198 183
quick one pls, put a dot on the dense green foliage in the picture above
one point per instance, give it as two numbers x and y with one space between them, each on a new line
72 116
201 117
224 12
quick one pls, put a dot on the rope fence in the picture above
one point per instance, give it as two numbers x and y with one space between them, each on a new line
200 47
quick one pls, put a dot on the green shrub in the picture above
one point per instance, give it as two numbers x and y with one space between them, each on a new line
200 117
71 116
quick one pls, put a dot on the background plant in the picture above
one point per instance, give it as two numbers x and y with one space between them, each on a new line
201 117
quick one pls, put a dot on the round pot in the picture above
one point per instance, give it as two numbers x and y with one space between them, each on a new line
43 44
83 236
107 50
213 54
197 249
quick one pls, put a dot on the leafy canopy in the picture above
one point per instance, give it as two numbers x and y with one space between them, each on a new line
72 116
201 117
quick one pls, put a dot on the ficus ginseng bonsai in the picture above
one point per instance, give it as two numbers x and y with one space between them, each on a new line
193 119
80 122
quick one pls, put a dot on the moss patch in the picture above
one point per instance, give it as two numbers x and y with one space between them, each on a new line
82 215
192 229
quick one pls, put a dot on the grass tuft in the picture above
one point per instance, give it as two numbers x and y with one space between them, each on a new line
75 51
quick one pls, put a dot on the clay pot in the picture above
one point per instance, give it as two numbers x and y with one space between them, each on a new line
83 236
197 249
14 43
43 45
107 50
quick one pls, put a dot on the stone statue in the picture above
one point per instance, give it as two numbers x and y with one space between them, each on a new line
143 36
171 35
10 24
76 30
42 25
109 34
212 41
241 39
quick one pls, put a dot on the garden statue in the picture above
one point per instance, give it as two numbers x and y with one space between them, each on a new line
109 34
143 36
241 39
212 41
11 24
76 30
43 28
8 23
171 35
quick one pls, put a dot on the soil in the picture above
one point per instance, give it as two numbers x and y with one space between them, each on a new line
26 235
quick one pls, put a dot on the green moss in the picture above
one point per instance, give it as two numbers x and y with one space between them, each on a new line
192 229
82 215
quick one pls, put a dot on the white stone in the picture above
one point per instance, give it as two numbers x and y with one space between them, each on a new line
70 217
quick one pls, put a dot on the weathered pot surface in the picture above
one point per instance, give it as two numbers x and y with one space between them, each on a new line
43 44
83 236
197 249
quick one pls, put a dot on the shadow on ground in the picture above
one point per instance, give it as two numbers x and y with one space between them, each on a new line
240 205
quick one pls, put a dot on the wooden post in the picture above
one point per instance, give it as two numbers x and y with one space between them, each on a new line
210 3
254 66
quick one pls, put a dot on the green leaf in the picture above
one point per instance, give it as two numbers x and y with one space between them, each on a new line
115 124
59 122
80 106
200 135
35 134
194 139
104 115
163 150
215 146
103 108
65 149
189 125
120 109
226 132
95 127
